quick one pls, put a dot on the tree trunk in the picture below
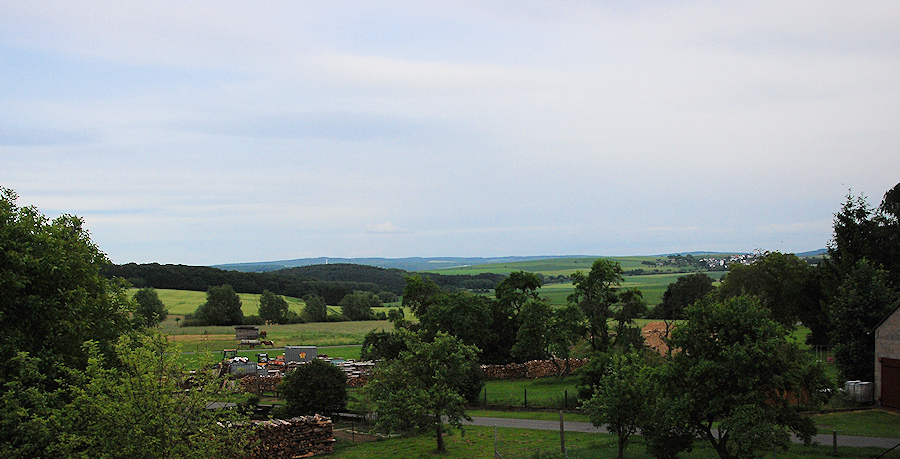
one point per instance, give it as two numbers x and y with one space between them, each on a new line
440 436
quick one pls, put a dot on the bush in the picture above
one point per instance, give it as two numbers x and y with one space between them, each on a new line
316 387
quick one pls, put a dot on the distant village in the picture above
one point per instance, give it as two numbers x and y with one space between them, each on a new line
712 263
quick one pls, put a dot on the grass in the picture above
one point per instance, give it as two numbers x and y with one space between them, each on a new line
541 392
479 442
531 415
866 423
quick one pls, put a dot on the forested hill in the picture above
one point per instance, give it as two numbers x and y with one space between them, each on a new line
331 281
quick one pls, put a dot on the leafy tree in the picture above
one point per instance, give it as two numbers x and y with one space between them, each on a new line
685 291
631 307
419 293
315 309
358 305
778 280
863 300
273 308
382 345
566 329
595 294
423 386
620 398
53 300
736 368
222 307
533 338
149 310
146 384
314 387
518 289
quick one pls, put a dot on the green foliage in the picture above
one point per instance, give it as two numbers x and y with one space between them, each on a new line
685 291
273 308
780 282
595 294
423 386
222 307
517 289
863 300
382 345
735 367
533 340
419 293
149 310
620 398
315 387
145 406
358 305
53 300
315 309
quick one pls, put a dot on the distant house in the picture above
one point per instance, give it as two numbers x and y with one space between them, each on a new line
887 361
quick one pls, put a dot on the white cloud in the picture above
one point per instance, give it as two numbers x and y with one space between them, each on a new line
385 228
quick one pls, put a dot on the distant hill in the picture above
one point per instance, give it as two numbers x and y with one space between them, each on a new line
406 264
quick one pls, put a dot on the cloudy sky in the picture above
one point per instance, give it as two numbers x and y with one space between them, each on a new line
214 132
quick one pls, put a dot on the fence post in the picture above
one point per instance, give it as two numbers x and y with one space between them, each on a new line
526 397
834 441
562 434
566 399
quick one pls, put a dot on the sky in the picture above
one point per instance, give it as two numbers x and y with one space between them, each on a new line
222 132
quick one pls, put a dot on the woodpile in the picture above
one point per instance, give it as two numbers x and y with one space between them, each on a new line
532 369
357 381
303 436
266 383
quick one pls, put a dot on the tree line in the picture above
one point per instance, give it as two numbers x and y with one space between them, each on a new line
331 282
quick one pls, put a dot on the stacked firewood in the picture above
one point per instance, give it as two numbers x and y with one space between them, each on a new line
266 383
532 369
303 436
357 381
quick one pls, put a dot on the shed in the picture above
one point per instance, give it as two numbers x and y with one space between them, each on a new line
887 360
242 332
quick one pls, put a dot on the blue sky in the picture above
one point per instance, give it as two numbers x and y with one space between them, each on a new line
203 133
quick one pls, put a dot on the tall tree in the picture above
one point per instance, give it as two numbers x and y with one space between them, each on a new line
315 309
358 305
53 300
272 308
517 289
222 307
736 371
863 300
595 294
423 386
149 310
685 291
419 293
778 280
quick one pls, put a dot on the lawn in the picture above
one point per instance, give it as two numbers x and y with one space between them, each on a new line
480 442
867 423
555 393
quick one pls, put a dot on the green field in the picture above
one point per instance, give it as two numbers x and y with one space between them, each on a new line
181 302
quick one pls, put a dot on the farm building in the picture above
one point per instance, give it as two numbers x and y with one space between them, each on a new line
246 332
887 360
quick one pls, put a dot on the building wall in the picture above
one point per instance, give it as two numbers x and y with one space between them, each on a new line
887 344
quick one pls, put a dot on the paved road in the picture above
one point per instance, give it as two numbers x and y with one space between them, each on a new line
824 439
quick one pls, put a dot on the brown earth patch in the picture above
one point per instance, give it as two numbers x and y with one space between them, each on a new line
655 335
201 337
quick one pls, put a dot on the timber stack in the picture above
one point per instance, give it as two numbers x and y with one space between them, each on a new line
303 436
532 369
266 383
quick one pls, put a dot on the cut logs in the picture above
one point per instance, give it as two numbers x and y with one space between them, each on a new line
303 436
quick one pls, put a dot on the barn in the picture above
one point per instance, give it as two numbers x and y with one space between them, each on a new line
887 360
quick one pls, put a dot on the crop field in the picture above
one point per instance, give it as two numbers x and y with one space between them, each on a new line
558 266
181 302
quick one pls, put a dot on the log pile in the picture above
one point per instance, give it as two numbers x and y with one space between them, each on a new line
532 369
266 383
357 381
303 436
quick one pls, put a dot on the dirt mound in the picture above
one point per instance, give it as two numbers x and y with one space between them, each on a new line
655 334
